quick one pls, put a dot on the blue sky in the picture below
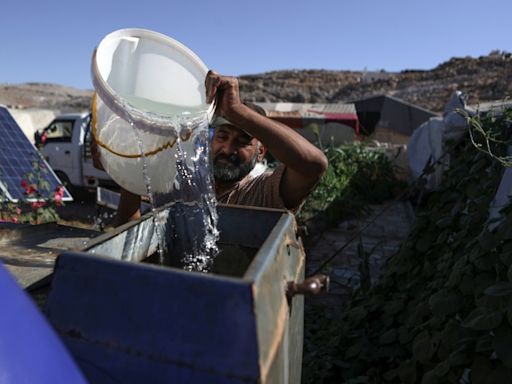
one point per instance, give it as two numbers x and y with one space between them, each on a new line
52 40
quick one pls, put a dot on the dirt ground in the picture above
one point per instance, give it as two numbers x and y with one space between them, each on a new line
83 212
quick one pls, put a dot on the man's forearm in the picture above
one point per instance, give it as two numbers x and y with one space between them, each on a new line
128 209
287 145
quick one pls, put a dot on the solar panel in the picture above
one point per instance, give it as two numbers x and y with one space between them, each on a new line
17 158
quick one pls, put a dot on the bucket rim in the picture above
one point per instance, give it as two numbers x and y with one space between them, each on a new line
117 104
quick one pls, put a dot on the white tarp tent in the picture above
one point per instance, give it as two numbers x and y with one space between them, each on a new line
427 144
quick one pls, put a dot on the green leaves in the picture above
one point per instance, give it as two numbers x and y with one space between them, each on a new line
39 202
482 319
423 347
433 376
499 289
388 337
509 273
407 372
424 243
444 302
485 371
487 241
502 344
358 174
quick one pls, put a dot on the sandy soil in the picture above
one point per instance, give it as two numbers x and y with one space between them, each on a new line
84 213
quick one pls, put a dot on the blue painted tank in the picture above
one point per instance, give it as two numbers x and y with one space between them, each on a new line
30 350
134 322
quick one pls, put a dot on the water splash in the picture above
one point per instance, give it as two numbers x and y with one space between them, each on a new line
149 190
188 227
192 219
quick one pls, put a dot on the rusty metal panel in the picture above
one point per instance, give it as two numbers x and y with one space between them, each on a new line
279 323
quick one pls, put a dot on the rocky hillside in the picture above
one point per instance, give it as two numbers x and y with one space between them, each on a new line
485 78
46 96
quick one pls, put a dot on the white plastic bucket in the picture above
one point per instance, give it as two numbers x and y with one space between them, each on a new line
147 80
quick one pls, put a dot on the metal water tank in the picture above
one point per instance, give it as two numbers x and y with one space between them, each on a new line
134 322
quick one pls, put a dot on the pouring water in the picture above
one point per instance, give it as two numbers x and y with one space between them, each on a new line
151 125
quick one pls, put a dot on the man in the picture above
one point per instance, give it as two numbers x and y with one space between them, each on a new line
242 137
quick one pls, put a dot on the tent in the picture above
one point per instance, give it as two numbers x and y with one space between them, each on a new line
390 119
336 123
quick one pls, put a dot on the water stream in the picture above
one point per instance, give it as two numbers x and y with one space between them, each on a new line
147 182
189 226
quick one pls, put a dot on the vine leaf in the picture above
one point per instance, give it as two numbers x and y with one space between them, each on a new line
482 319
422 348
388 337
480 370
509 273
487 241
502 344
432 376
407 372
443 303
499 289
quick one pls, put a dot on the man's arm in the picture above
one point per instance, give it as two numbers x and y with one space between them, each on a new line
305 163
128 209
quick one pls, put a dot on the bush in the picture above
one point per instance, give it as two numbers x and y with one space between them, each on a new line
39 203
358 175
442 311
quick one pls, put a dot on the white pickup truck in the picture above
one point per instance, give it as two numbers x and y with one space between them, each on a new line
66 146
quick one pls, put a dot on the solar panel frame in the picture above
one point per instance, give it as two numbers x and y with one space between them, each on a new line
17 155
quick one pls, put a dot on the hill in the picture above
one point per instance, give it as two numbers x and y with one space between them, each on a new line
485 78
44 96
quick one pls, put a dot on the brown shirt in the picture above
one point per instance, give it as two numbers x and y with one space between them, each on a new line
259 191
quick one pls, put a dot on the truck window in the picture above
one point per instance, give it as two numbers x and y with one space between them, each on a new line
59 131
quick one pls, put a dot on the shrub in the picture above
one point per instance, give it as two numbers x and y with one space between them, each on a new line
442 311
39 203
358 175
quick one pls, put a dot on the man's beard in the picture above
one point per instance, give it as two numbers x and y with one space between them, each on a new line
233 169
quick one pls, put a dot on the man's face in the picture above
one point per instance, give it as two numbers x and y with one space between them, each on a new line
234 153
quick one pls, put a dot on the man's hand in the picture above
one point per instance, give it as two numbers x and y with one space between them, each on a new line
225 90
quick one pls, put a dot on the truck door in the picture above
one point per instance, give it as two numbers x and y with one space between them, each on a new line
58 148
